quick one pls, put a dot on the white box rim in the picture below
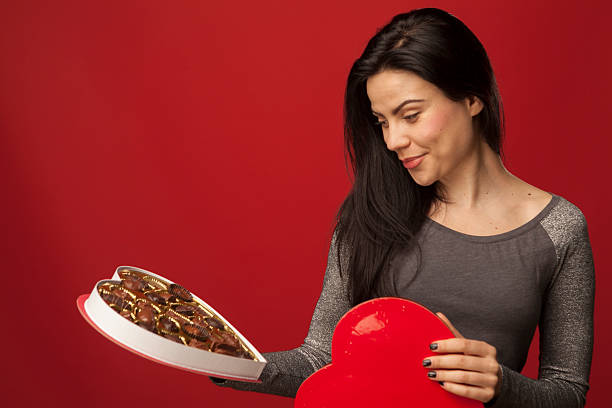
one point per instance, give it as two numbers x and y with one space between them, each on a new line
166 351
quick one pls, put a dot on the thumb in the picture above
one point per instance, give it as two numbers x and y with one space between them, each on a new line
450 325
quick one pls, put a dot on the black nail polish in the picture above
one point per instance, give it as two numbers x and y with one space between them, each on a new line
426 362
441 383
433 346
431 374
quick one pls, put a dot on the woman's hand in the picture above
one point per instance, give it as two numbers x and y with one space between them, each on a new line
465 367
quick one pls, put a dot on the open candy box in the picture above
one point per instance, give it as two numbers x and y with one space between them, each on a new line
164 322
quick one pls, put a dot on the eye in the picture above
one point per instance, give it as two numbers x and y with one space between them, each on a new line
382 123
411 117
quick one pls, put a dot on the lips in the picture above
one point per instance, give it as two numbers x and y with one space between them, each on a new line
407 159
413 161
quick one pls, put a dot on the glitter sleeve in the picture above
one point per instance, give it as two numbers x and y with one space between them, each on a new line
566 322
286 370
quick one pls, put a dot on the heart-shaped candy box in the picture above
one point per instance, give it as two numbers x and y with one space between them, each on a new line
157 319
377 353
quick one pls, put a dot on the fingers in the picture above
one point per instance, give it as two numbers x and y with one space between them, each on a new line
464 367
461 362
472 378
466 346
477 393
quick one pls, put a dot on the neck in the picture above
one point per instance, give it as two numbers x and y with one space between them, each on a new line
479 178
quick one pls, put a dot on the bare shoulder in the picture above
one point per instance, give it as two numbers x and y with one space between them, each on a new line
565 219
536 199
528 200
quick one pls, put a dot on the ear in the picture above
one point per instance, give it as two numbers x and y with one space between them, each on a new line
474 105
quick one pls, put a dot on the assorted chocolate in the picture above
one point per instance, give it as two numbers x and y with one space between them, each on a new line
170 310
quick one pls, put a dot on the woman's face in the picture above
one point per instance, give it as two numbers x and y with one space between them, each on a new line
433 136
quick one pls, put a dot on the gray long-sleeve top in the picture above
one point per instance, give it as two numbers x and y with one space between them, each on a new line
492 288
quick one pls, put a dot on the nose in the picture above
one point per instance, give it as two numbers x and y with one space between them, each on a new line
396 138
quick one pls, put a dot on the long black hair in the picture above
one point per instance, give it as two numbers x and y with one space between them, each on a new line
385 207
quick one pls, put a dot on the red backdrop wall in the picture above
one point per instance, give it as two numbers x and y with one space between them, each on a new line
203 141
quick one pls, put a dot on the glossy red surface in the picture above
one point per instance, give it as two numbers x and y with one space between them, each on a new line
377 353
205 139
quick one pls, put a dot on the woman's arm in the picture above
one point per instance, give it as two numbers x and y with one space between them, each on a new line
566 323
286 370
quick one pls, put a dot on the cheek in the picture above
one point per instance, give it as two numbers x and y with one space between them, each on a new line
434 128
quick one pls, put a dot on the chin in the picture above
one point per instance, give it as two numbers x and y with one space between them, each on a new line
423 180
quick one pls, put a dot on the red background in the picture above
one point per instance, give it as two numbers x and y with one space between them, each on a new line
203 141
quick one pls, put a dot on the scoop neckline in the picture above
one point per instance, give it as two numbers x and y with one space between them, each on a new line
504 235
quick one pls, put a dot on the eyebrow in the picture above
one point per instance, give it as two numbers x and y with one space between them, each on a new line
407 101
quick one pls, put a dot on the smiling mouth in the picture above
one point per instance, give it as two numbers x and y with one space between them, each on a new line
412 162
411 158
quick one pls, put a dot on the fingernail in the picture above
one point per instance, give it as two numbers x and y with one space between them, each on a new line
433 346
441 383
426 362
431 374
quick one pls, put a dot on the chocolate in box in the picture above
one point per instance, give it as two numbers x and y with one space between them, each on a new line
162 321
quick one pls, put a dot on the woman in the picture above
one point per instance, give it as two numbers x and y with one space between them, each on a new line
433 216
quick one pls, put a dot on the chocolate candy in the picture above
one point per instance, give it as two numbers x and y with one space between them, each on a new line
167 296
229 338
182 319
113 299
146 314
185 309
122 293
168 324
134 283
214 322
154 282
180 292
173 338
126 313
222 336
200 319
147 325
227 349
123 273
108 297
196 331
157 297
113 282
199 344
170 310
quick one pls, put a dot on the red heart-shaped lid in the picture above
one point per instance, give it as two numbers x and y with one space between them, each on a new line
377 352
